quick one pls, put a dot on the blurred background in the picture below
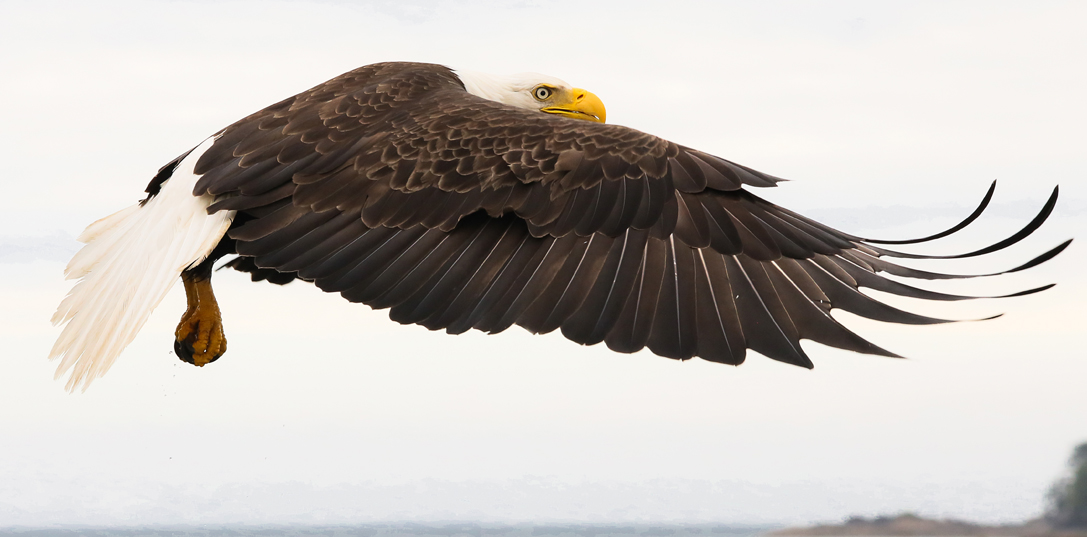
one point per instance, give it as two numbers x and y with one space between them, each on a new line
891 118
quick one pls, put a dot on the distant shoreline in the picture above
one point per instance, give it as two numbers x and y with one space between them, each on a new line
909 525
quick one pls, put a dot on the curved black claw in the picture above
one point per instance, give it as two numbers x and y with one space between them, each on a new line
185 351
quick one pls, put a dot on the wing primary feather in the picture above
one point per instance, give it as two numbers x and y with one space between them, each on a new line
717 177
803 281
491 298
1042 258
724 237
568 289
631 332
416 307
756 241
737 173
686 175
967 221
789 244
844 295
810 243
457 316
906 272
762 330
366 267
692 224
347 256
674 331
581 324
422 272
812 321
719 339
436 296
605 301
279 251
577 290
539 270
334 243
290 233
664 335
865 278
1033 225
379 280
832 237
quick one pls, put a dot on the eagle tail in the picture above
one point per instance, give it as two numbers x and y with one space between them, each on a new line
130 261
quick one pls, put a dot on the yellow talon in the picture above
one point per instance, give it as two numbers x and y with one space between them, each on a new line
199 339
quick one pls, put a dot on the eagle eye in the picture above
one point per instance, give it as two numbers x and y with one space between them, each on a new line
542 93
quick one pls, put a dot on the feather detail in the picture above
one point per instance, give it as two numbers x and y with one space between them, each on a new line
131 260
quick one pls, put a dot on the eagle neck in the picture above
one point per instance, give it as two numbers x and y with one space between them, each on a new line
484 85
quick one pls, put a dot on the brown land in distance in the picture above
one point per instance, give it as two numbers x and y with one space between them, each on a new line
908 525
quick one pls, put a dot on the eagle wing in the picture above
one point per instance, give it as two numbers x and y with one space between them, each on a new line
394 187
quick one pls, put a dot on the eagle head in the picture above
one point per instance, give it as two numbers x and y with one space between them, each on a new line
533 91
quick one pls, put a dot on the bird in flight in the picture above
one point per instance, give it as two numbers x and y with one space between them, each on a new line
461 200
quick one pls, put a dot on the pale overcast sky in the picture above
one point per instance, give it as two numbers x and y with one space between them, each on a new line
891 118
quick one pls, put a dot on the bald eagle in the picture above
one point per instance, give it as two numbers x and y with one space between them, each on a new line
461 200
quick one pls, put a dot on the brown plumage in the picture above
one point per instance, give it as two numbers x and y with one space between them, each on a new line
394 187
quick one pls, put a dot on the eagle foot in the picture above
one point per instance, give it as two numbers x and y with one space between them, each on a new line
199 339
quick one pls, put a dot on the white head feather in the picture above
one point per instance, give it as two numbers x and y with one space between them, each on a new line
514 90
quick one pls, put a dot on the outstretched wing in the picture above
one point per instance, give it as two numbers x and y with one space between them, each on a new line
394 187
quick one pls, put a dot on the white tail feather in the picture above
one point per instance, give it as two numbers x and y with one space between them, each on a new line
131 260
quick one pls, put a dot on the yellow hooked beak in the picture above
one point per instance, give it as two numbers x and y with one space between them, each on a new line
582 105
